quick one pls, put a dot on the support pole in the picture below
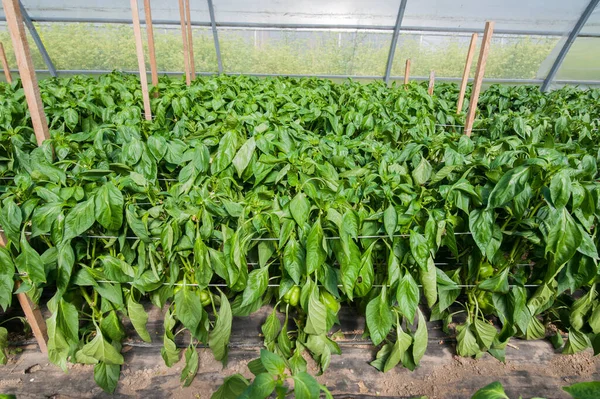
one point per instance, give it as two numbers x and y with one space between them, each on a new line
466 72
186 57
483 54
390 61
568 43
406 71
213 24
7 74
431 82
188 15
139 46
14 20
151 49
38 42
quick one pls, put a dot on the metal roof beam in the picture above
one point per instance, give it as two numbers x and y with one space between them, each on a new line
568 43
392 52
38 42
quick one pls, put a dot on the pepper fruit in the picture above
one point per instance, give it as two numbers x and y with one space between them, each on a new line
330 301
205 298
292 296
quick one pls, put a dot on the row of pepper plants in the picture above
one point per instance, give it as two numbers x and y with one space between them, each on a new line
305 195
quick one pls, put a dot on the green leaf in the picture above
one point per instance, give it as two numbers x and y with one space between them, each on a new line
466 341
491 391
408 296
243 156
563 238
30 262
189 309
232 387
11 219
315 248
107 376
218 338
390 220
584 390
305 386
293 260
497 283
419 248
509 185
429 282
398 351
169 351
300 208
422 172
316 322
272 362
108 206
486 233
7 281
43 218
420 339
485 334
139 318
3 345
225 153
99 350
379 318
258 280
191 366
79 220
261 388
560 188
577 342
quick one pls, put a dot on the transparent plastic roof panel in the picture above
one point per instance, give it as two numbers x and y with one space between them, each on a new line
509 15
314 52
162 10
308 12
582 61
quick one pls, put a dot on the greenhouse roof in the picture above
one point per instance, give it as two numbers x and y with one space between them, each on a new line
552 40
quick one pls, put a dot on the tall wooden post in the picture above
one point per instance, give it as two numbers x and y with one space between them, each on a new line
7 74
188 19
151 49
431 82
14 20
186 56
406 71
466 72
483 54
139 46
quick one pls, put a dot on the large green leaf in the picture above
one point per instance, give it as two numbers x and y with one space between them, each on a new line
79 220
99 350
486 233
509 185
108 206
379 318
315 248
218 338
564 238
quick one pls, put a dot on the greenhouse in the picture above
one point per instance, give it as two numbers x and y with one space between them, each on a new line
308 199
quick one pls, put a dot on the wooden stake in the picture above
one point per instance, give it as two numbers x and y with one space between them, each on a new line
186 56
483 54
406 71
190 39
35 319
467 71
151 50
139 46
431 82
5 64
14 19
